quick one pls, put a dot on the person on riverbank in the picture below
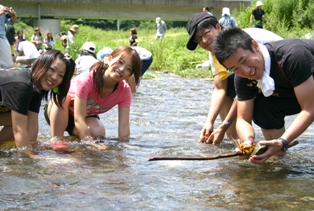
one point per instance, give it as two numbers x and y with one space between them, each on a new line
146 60
49 42
133 39
104 53
206 9
272 81
227 21
161 28
27 51
21 93
37 39
71 36
257 14
87 57
6 14
95 92
203 29
63 39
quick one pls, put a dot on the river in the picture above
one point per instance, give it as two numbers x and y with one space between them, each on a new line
167 115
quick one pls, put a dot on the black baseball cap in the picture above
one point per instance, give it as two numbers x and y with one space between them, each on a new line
192 25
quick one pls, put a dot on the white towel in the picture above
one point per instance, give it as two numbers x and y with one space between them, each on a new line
267 83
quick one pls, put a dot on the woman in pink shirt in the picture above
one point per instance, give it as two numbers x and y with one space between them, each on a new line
95 92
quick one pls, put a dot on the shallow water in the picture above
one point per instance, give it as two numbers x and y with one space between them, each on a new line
167 115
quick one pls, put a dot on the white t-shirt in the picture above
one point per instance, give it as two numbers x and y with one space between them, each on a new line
142 52
262 36
29 49
83 63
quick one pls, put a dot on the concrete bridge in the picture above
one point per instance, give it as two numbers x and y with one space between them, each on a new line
176 10
119 9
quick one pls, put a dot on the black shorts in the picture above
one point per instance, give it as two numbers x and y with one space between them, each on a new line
230 87
71 124
270 112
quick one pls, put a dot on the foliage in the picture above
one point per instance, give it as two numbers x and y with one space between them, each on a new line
289 19
169 54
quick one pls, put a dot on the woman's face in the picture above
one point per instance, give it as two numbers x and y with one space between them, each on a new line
119 69
54 75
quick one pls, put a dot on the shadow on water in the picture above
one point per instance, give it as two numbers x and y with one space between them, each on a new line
167 115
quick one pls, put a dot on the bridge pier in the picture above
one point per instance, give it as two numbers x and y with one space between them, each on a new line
48 25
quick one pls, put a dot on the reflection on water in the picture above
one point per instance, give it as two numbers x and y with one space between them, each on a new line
167 115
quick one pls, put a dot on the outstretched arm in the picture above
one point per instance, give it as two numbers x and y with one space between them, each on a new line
80 110
299 124
216 103
19 126
244 126
32 127
58 117
124 123
218 135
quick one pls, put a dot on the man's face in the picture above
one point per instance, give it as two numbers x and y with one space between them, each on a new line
205 38
245 63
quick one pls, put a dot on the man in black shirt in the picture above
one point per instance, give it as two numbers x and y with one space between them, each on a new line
258 14
272 81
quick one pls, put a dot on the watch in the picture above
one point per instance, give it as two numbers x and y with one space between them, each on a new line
285 144
227 124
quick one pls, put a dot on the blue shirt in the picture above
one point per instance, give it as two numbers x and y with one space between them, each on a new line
3 20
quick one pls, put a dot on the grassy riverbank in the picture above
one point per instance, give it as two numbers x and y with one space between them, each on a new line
170 54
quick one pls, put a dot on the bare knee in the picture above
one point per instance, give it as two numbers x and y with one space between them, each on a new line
96 128
97 131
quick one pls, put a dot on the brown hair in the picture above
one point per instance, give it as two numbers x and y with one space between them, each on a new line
49 38
99 68
133 31
41 67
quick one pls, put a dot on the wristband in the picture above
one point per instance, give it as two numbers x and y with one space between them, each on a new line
285 144
227 124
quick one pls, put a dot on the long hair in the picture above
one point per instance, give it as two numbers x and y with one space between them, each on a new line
41 67
99 68
49 38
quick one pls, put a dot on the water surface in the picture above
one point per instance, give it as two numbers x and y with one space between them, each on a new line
167 115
